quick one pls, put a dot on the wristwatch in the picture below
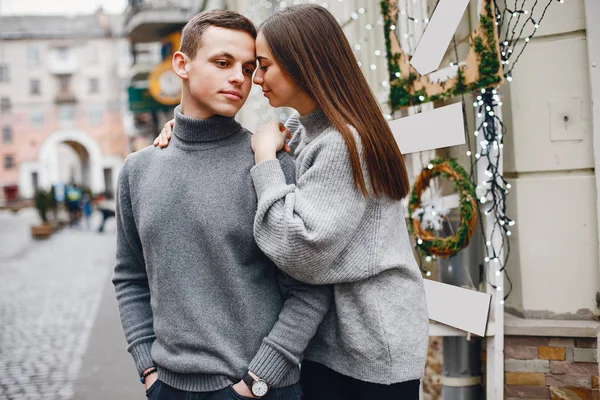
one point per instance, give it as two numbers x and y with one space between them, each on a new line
258 387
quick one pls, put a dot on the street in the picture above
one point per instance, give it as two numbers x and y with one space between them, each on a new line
60 334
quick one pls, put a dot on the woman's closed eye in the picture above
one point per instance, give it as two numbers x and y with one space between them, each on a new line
263 67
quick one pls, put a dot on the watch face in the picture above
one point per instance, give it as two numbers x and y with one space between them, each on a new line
260 388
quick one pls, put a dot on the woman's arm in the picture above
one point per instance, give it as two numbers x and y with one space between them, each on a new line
304 227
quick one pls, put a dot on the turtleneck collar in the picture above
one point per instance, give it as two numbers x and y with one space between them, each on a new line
314 122
210 129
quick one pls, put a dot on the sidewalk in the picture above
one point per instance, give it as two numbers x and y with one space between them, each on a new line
108 371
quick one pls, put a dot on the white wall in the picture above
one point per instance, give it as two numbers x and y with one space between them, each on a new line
550 163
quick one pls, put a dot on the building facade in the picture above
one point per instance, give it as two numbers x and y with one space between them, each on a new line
63 101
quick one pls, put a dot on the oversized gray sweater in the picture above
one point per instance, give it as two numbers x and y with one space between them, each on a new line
196 295
322 230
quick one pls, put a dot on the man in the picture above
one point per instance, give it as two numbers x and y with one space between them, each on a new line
205 313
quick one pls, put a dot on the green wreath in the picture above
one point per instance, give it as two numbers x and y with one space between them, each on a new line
426 239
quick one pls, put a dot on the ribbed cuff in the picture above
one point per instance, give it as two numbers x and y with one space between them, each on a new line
142 356
193 382
267 175
270 365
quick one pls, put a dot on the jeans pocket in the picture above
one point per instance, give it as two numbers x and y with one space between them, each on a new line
236 395
298 391
152 388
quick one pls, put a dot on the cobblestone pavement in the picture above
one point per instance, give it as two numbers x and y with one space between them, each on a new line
49 296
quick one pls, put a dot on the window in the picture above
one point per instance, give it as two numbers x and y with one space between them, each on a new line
37 118
33 56
94 85
62 53
34 181
9 162
7 134
4 73
5 105
34 86
95 115
65 113
64 82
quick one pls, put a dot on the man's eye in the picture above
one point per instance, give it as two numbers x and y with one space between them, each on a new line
249 71
221 63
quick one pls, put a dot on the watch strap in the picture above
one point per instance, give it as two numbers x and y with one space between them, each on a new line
248 380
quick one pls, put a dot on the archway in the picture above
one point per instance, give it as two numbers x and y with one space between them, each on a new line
87 152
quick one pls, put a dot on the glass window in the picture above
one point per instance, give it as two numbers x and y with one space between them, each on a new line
94 85
62 53
5 105
34 86
7 134
4 73
65 113
33 56
9 162
37 118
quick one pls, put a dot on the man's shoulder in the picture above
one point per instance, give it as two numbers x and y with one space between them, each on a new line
141 156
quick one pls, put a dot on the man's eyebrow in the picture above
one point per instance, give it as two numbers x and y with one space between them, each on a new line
223 54
231 57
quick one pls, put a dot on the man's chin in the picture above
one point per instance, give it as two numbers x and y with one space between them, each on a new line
228 111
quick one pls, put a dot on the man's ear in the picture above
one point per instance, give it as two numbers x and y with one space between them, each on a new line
180 62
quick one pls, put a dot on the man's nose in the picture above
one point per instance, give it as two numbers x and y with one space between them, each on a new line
237 75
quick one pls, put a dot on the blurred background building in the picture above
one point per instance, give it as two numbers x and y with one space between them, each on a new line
63 102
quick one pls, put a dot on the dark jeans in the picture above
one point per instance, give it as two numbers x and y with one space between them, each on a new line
162 391
321 383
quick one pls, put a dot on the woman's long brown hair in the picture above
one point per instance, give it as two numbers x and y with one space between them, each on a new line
310 46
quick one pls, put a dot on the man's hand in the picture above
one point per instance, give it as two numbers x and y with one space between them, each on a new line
242 389
150 379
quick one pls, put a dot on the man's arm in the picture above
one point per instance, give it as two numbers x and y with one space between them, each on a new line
131 281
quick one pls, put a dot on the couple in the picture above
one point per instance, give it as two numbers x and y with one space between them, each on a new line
235 262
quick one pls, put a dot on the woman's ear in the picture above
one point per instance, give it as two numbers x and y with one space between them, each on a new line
180 62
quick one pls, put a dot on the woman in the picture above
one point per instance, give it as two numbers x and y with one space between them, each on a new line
342 223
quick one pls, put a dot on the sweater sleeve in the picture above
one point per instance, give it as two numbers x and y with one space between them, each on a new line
131 281
304 227
303 311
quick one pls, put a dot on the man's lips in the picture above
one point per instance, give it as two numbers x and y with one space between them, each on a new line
232 94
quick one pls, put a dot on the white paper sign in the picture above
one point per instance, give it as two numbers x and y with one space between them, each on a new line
458 307
436 38
442 127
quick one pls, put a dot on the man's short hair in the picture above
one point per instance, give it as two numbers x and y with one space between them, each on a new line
191 36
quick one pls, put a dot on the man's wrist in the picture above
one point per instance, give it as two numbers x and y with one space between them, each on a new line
146 373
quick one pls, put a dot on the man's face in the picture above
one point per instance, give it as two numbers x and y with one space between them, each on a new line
220 76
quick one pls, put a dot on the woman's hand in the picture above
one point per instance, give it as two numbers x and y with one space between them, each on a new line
268 140
165 135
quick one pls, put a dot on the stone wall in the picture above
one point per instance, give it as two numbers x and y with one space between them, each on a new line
550 368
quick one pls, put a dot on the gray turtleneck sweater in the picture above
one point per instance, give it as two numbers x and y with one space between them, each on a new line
196 295
322 230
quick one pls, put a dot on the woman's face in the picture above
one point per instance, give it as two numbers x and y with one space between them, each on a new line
277 86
